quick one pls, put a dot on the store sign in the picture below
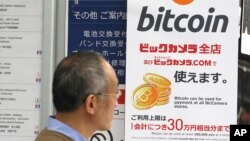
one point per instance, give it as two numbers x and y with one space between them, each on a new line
181 70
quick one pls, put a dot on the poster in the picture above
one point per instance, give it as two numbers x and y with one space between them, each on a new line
184 55
20 68
100 26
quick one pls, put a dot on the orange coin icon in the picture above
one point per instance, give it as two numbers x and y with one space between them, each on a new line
145 96
157 80
183 2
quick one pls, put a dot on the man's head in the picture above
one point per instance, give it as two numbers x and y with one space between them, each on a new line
82 81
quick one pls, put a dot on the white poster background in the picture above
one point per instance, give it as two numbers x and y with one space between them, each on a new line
178 120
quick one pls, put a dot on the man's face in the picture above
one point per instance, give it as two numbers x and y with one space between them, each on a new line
109 101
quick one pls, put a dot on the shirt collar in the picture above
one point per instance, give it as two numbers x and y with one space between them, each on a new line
58 126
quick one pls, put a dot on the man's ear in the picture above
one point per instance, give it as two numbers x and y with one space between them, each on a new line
90 104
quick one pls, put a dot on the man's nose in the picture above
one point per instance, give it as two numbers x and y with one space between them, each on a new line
116 102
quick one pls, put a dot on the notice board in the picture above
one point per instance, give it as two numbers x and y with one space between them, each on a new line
21 30
100 26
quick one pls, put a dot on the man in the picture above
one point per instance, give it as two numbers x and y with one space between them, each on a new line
84 95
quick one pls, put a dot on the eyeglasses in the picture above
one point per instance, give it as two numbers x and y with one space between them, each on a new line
116 95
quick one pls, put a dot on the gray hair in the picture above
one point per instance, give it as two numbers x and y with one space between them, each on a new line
77 76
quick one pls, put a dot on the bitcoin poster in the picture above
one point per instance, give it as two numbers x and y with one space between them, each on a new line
181 70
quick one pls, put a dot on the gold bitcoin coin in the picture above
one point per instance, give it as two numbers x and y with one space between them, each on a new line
157 80
164 89
163 102
162 99
145 96
164 93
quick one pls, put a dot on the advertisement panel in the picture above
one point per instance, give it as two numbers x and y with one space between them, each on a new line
184 55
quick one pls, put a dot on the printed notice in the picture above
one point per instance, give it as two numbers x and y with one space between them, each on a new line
20 68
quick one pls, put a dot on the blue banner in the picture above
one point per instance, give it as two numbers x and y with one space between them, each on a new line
99 25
